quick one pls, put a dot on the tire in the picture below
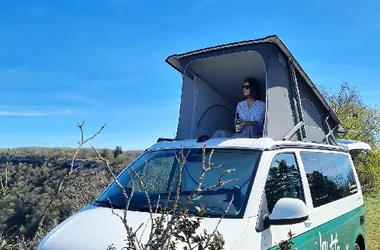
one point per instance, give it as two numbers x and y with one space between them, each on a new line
357 247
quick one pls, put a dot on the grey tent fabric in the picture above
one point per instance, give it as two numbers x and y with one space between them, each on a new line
211 89
202 110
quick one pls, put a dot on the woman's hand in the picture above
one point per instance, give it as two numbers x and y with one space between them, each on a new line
241 122
249 123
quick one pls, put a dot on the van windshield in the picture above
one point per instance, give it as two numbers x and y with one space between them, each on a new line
159 171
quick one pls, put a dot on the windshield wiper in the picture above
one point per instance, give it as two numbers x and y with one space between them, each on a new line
115 206
108 204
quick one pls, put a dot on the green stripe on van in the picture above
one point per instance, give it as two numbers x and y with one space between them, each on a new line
340 233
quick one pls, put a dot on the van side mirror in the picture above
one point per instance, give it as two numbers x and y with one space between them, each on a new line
287 211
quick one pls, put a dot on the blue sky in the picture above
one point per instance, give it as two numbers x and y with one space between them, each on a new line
103 61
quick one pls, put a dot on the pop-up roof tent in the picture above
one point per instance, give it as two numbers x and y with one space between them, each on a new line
211 88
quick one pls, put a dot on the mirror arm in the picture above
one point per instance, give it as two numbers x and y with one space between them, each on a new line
266 222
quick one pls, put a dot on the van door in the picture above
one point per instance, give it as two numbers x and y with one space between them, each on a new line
337 199
286 180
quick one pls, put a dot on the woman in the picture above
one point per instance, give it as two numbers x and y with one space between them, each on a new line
251 112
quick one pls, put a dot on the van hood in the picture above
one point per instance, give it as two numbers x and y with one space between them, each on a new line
98 228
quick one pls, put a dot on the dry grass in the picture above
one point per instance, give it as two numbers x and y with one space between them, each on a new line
372 206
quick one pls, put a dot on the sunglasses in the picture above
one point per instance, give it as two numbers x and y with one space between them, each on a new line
245 86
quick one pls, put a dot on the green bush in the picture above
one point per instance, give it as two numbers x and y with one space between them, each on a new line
368 169
362 123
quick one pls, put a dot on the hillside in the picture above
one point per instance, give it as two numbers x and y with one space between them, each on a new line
33 177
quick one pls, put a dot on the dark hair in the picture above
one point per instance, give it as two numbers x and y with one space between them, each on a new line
253 88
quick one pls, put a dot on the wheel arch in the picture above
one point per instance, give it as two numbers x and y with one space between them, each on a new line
361 242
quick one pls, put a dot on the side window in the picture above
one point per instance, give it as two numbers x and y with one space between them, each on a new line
284 180
346 175
330 176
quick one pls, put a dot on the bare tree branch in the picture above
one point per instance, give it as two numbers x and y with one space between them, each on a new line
60 186
165 228
132 239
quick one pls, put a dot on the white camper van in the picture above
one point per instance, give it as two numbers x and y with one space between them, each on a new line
295 177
